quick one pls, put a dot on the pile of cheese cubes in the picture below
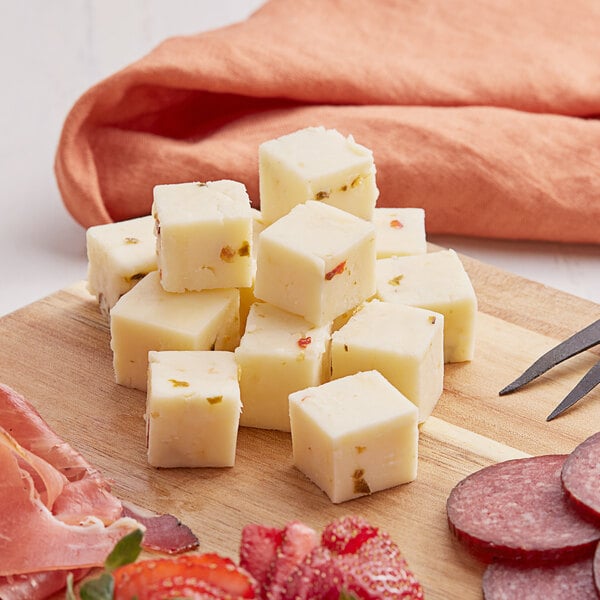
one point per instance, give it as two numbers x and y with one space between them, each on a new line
322 315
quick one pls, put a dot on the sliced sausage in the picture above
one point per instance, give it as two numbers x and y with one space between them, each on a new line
581 477
517 510
503 581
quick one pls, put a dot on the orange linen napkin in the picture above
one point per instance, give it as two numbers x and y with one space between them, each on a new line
482 112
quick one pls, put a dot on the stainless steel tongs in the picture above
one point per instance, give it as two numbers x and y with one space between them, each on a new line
580 341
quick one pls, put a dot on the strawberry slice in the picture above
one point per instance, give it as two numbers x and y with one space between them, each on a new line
347 535
297 542
258 549
317 576
356 558
197 576
378 571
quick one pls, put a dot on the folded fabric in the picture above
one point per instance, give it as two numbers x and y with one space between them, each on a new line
484 113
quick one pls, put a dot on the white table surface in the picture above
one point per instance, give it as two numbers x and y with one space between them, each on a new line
51 53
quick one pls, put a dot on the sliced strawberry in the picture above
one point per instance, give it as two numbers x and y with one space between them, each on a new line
317 576
258 549
200 574
347 535
298 540
356 558
378 571
176 591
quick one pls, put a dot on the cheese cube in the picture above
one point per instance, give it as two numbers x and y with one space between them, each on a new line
247 297
279 353
399 231
148 318
119 255
316 164
192 409
317 262
203 235
258 225
436 281
405 344
354 436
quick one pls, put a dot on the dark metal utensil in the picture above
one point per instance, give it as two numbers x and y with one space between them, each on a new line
580 341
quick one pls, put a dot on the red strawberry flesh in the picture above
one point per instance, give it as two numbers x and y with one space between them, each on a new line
298 540
347 535
258 551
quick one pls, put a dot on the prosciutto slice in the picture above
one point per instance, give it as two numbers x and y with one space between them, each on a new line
36 586
23 422
35 540
57 512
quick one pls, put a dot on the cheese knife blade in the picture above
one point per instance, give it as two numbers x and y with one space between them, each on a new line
582 340
589 381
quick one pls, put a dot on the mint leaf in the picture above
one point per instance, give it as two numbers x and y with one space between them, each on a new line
345 595
126 551
98 589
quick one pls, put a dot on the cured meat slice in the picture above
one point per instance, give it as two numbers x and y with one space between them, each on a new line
85 497
164 533
581 477
28 428
517 510
37 586
72 488
48 482
35 540
502 581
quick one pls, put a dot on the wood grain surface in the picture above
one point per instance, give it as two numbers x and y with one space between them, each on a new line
56 352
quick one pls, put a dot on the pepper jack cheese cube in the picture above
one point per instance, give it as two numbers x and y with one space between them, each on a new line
192 409
436 281
317 262
247 298
203 235
405 344
278 354
148 318
399 231
354 436
316 164
119 255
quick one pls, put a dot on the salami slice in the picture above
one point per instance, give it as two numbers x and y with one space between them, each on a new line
581 477
517 510
502 581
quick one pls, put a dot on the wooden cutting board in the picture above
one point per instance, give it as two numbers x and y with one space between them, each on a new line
56 352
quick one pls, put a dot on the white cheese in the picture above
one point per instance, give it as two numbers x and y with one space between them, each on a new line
119 255
148 318
405 344
436 281
317 262
192 409
316 164
354 436
399 231
203 235
279 353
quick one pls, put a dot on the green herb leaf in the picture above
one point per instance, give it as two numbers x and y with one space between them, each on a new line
98 589
126 551
345 595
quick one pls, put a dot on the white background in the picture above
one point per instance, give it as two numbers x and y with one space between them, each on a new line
52 51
